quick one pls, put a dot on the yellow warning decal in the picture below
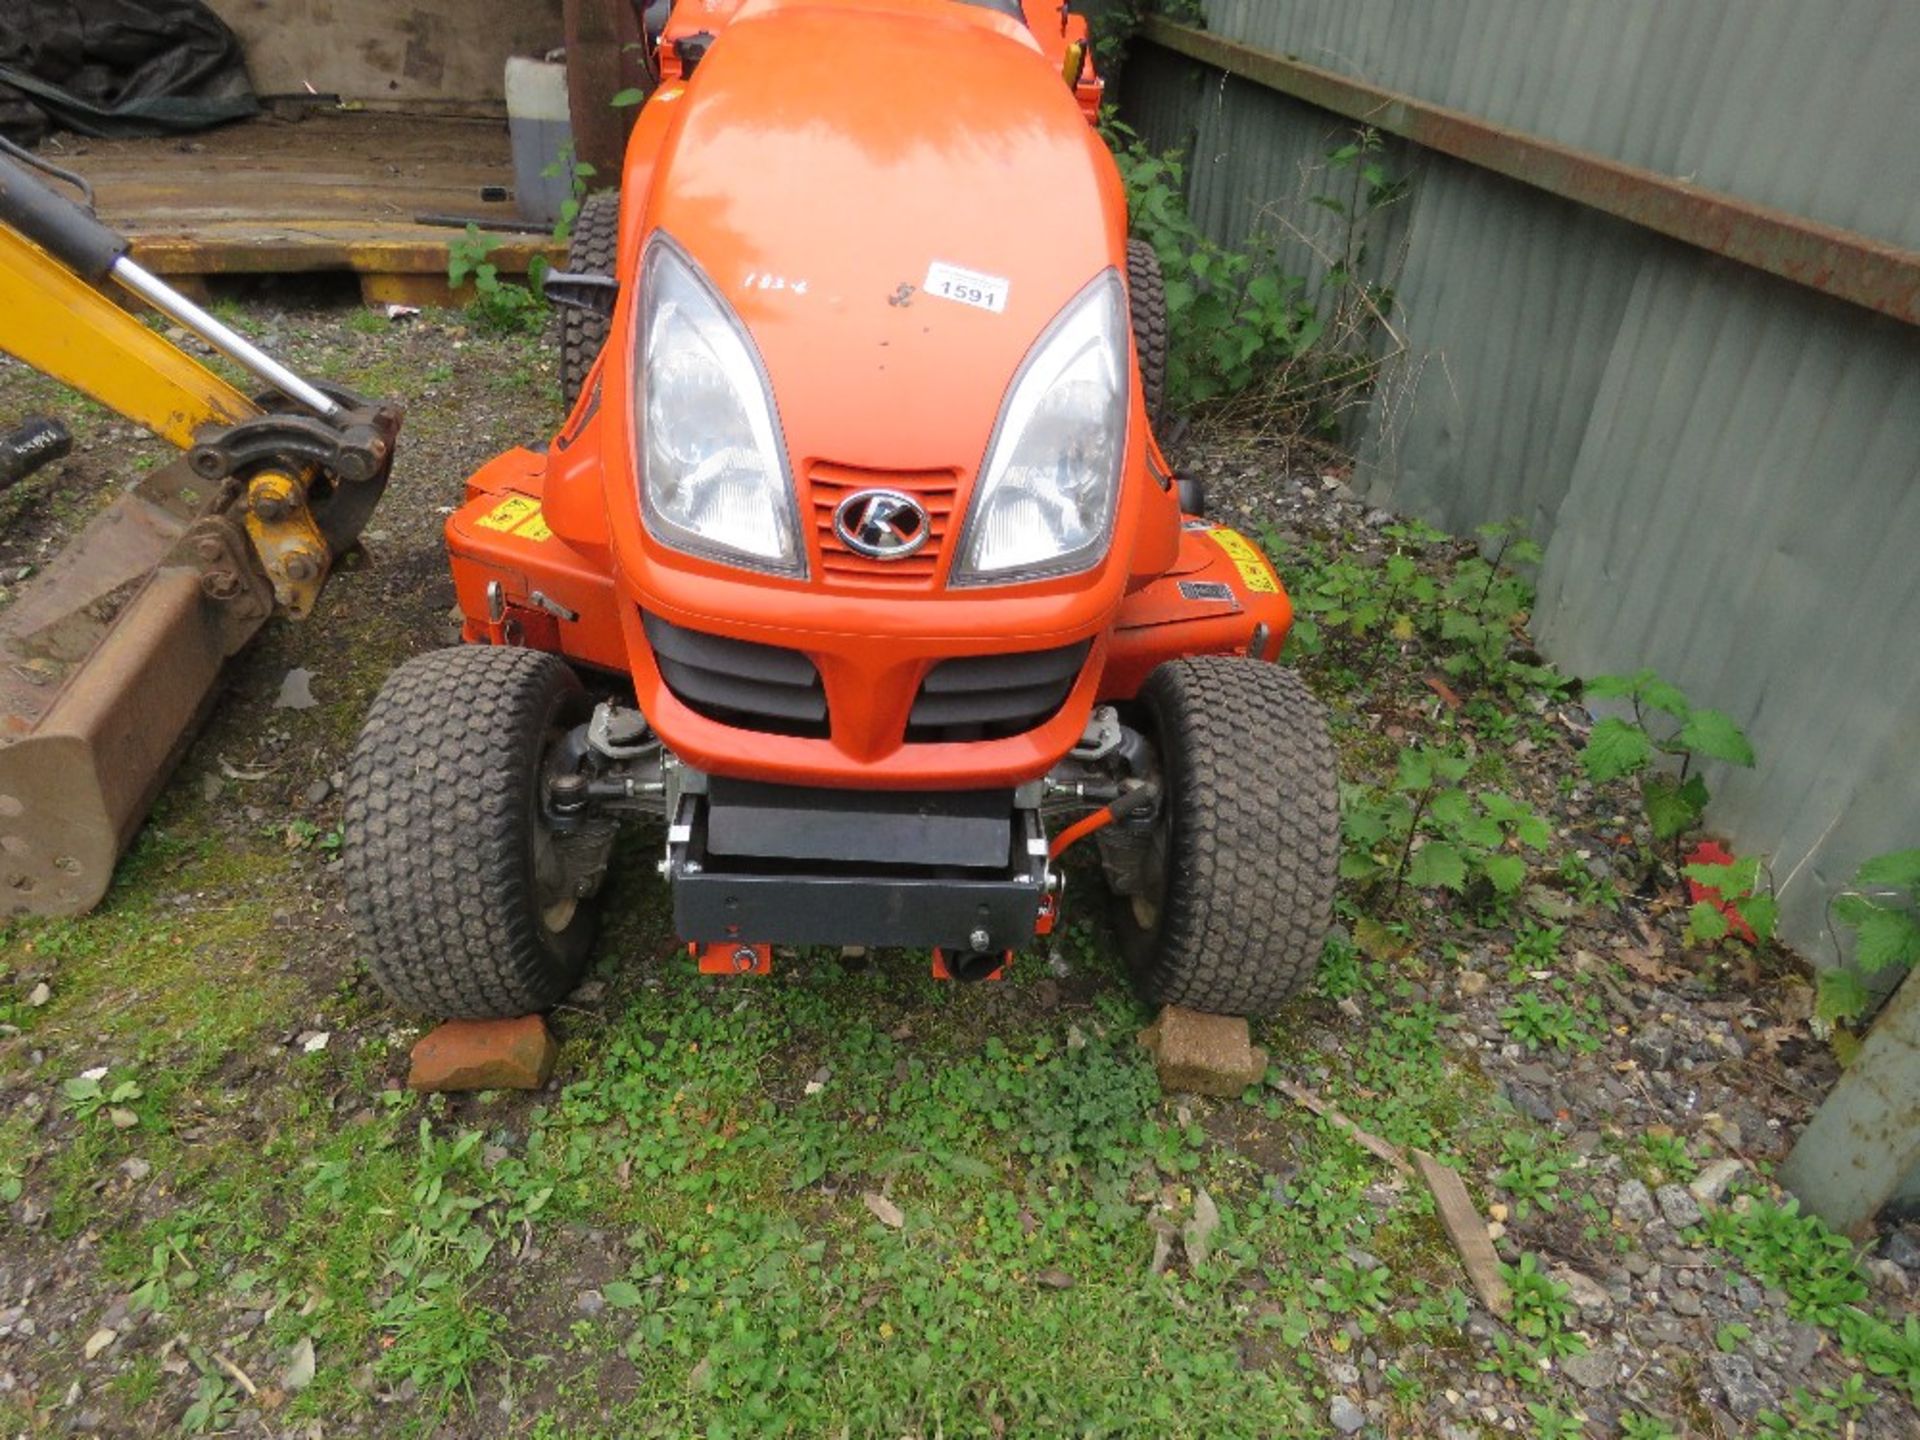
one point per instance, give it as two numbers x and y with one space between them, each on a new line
1251 564
519 514
509 513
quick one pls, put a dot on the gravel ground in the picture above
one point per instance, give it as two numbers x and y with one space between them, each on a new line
1716 1056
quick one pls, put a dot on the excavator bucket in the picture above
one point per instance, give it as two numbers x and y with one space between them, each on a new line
107 662
111 655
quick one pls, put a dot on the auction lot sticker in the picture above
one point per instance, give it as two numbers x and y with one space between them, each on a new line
967 287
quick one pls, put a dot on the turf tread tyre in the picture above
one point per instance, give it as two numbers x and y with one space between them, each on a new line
1254 843
593 250
1147 303
438 849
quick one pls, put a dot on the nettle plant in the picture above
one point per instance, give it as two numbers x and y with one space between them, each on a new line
1232 315
1482 608
576 172
498 307
1467 611
1663 753
1350 604
1882 909
1428 831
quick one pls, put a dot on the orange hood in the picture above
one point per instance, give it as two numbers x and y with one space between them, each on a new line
829 157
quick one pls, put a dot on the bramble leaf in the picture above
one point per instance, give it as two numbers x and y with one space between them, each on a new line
1415 770
1706 923
1355 865
1736 878
1616 687
1884 938
1366 826
1841 995
1437 864
1643 686
1481 831
1901 869
1658 694
1506 872
1762 914
1709 733
1673 808
1616 747
1853 909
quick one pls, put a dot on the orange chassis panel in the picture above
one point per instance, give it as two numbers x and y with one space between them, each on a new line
1217 597
874 378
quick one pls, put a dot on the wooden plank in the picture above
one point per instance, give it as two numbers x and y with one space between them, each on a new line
1365 1139
332 191
419 291
241 249
1468 1232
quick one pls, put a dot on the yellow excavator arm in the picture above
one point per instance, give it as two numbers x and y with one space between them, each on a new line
62 326
108 657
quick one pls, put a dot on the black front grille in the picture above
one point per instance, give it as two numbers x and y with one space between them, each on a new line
989 697
736 682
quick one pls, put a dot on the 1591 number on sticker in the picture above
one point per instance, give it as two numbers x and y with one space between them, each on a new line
968 287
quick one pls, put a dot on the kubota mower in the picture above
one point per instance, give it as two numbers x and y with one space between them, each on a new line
855 566
109 657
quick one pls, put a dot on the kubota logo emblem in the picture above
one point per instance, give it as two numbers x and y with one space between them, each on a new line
881 524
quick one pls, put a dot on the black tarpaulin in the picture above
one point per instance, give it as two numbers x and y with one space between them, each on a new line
117 67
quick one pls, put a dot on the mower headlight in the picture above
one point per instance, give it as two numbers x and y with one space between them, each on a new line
713 472
1044 504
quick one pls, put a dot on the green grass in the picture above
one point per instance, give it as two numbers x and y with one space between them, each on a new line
752 1290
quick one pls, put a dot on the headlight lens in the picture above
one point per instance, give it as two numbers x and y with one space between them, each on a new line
1045 501
713 472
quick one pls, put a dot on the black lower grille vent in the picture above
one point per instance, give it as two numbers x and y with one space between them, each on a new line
738 682
989 697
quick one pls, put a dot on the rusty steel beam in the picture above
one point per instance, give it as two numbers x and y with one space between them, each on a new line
1843 263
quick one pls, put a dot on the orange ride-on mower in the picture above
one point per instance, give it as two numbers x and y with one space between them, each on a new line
855 567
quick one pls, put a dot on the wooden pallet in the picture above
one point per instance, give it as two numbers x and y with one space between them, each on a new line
331 191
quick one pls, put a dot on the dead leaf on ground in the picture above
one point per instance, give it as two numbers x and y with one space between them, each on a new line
1163 1233
296 691
1197 1236
1378 941
884 1210
1647 965
299 1372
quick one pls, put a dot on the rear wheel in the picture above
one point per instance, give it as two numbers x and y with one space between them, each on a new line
593 250
1147 300
1235 894
455 883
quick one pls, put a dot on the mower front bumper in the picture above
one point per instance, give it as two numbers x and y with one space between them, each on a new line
756 864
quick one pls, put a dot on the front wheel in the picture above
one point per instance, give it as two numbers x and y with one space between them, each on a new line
461 896
1235 896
